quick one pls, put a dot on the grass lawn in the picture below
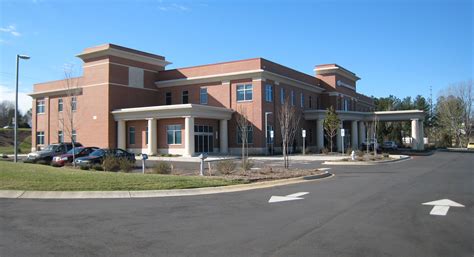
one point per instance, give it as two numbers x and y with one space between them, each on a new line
22 176
25 147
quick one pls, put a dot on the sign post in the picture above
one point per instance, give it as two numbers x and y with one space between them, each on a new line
342 141
303 133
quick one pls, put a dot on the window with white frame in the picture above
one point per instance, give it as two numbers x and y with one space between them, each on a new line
185 97
282 95
40 137
74 103
292 98
173 133
40 105
203 95
60 105
131 135
73 135
302 100
60 136
268 93
244 92
249 131
168 98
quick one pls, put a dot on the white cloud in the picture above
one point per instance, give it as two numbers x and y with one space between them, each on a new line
173 7
11 29
24 101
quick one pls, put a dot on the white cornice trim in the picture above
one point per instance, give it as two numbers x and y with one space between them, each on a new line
338 70
114 63
125 55
55 92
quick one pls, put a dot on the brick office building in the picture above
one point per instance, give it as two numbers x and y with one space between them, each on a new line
127 99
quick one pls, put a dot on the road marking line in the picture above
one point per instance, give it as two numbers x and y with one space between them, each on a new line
439 210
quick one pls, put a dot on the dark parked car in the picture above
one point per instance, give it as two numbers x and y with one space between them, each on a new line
373 143
62 159
98 156
50 151
389 145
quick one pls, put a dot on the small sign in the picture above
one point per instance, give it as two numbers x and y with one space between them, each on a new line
271 133
303 133
343 132
144 156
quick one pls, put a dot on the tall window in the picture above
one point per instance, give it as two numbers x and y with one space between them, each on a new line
310 102
268 93
60 105
168 98
40 138
269 138
40 105
60 136
74 103
302 100
282 95
292 97
131 135
74 135
203 95
173 134
249 135
244 92
185 97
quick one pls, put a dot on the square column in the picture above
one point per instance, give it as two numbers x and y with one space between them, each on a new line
189 136
362 132
354 135
223 142
320 134
415 134
121 135
421 138
339 138
152 137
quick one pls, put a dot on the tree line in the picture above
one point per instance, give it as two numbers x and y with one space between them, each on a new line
7 115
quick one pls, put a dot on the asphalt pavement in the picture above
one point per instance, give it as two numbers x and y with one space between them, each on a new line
362 211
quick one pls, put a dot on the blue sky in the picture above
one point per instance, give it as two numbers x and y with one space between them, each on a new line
396 47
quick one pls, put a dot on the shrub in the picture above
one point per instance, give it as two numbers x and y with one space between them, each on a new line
125 165
247 164
385 155
324 150
225 166
162 168
266 170
349 151
97 167
84 167
110 163
359 153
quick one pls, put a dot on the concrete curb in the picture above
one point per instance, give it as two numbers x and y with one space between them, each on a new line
155 193
349 163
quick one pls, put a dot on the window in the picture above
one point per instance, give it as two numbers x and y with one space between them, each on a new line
310 102
60 105
268 93
203 95
131 135
40 138
173 134
302 100
60 137
244 92
73 135
292 98
282 95
74 103
249 135
146 136
168 98
185 97
40 105
269 138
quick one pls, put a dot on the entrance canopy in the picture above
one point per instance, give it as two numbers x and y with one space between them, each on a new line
405 115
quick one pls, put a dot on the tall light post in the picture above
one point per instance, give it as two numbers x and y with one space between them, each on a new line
15 144
266 131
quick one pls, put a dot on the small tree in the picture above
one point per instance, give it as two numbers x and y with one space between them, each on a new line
331 124
243 126
289 125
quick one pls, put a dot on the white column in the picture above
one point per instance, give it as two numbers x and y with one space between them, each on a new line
320 134
421 138
121 135
414 134
354 135
189 136
362 132
152 137
339 138
223 137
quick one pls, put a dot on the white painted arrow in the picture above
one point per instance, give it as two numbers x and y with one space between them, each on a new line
292 197
441 207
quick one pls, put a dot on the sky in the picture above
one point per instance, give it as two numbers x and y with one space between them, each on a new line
396 47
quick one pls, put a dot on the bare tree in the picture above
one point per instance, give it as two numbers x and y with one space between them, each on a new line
289 125
66 117
331 124
243 127
375 124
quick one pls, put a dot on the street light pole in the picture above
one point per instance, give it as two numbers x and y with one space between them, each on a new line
266 131
15 137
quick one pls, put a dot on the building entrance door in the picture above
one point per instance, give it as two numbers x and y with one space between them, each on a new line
203 139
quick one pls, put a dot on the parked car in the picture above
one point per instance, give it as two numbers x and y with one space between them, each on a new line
370 144
97 157
470 146
78 152
51 151
389 145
